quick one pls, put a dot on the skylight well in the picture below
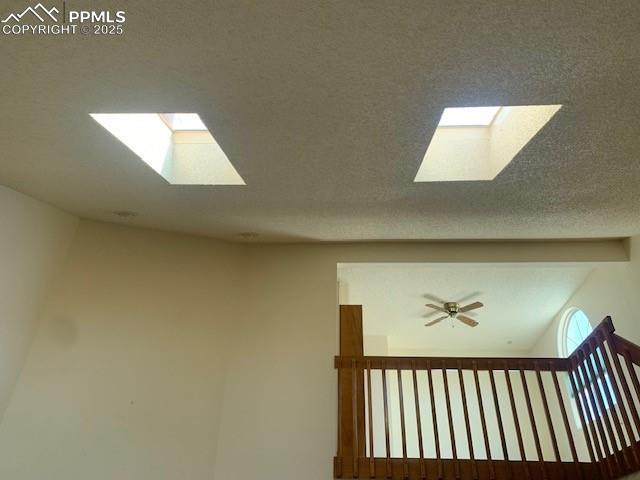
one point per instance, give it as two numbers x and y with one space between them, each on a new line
477 143
468 116
177 146
180 122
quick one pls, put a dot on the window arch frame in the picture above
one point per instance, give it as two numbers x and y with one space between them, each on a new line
565 322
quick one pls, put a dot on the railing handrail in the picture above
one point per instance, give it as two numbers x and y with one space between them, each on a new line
451 363
603 329
623 345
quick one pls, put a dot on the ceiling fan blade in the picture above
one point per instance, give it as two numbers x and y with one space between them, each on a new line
433 322
467 321
437 307
468 297
471 306
433 298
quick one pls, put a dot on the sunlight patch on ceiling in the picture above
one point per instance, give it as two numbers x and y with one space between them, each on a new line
177 146
477 143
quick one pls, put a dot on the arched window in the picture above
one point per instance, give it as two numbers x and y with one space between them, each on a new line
574 329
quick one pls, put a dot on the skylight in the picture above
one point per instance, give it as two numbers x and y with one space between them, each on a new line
177 146
483 142
183 121
468 116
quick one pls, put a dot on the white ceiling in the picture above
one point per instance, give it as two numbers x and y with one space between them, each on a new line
326 110
520 302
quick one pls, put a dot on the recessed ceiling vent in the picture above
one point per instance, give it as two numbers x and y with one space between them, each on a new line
178 146
476 143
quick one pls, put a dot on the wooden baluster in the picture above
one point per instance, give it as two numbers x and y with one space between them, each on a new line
567 426
372 463
632 374
496 403
416 398
634 380
450 417
340 452
483 421
592 409
465 410
588 425
405 466
434 417
534 428
600 339
604 417
622 378
516 422
354 410
613 411
547 413
386 423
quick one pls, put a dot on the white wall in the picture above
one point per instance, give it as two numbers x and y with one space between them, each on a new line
610 289
33 242
126 374
164 356
280 401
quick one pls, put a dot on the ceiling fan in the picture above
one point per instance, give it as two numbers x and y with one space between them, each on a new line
454 310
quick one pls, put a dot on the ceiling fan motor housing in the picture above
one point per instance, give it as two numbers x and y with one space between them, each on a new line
452 308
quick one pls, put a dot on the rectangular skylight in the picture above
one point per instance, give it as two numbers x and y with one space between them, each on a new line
178 146
144 133
181 122
489 138
468 116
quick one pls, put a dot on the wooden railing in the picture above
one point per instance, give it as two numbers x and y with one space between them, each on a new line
492 418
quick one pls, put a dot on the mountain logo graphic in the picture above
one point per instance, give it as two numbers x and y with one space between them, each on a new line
39 11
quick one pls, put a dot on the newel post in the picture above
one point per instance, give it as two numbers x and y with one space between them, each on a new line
351 388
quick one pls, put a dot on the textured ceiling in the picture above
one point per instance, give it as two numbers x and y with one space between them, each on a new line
520 302
326 110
